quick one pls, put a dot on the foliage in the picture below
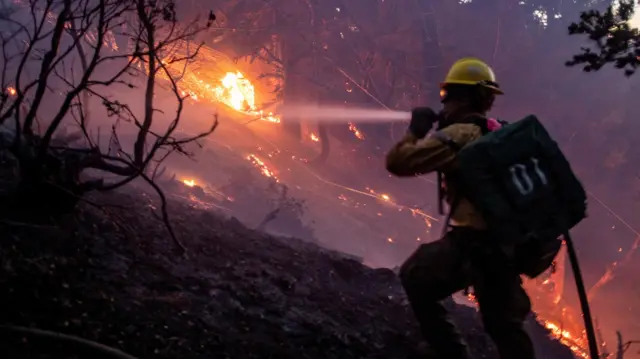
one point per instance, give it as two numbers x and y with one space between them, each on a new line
613 40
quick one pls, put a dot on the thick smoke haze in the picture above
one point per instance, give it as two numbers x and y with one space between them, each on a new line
385 57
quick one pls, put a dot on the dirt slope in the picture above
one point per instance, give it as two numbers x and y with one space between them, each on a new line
110 275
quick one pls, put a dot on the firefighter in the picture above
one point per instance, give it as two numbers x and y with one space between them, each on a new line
465 256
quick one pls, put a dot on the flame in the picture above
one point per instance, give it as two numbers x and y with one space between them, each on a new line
233 90
189 182
314 138
576 344
12 91
205 80
237 92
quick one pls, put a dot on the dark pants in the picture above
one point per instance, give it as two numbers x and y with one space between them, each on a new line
462 258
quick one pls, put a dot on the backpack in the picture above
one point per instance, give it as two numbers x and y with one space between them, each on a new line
519 180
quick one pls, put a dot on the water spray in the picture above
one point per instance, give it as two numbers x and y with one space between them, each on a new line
336 114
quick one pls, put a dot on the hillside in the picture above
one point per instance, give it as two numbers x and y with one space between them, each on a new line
110 275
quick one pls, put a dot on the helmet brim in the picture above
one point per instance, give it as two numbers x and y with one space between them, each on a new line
494 89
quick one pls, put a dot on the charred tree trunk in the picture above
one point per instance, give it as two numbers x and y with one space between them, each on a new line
325 145
294 87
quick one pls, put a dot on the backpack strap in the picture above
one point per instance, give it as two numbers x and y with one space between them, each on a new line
478 120
474 118
447 140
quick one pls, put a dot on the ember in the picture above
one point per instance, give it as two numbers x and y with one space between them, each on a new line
355 131
264 169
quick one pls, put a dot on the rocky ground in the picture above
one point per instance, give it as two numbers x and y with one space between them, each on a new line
110 275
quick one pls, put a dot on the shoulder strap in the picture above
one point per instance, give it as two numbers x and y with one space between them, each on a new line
446 139
476 119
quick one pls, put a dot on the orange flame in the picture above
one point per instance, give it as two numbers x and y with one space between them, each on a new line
238 92
314 138
576 344
234 90
189 182
573 342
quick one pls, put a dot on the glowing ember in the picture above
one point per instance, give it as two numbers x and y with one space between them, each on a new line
382 196
11 91
472 298
314 138
189 183
355 131
264 169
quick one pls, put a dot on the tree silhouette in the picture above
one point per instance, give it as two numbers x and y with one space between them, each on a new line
613 40
45 93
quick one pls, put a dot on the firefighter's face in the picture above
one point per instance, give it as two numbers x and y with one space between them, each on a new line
453 106
450 104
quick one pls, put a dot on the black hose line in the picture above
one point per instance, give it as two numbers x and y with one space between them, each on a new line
582 294
88 344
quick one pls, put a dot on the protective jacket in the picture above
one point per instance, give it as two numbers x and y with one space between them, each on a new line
412 157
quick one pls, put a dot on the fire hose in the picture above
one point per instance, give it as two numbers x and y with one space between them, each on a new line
105 350
582 295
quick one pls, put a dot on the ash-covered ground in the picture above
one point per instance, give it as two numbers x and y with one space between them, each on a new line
110 274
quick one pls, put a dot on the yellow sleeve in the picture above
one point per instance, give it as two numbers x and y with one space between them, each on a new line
412 156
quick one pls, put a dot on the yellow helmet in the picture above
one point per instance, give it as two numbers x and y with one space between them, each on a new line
472 71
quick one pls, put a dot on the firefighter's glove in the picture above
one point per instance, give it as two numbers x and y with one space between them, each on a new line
422 120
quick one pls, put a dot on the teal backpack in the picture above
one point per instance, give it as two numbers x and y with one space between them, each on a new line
520 181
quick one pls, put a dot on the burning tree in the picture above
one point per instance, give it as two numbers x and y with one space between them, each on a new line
60 55
331 52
